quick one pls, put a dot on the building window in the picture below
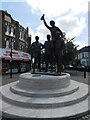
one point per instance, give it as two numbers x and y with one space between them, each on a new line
86 56
7 29
12 31
21 47
82 55
21 35
83 62
12 44
7 43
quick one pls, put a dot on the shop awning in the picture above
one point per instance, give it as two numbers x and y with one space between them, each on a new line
16 55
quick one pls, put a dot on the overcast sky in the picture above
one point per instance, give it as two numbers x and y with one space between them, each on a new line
71 16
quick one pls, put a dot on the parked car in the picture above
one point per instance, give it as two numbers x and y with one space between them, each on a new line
43 66
88 68
81 67
69 67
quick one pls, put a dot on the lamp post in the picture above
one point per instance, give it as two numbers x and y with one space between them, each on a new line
11 60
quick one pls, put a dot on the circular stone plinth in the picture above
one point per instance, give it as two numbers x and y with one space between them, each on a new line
41 81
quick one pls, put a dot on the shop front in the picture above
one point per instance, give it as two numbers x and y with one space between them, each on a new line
20 61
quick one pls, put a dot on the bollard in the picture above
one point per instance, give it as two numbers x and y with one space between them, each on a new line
84 72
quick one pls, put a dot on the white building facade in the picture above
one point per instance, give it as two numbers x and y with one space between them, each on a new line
84 56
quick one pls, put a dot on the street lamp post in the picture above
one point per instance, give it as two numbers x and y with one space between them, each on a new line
11 61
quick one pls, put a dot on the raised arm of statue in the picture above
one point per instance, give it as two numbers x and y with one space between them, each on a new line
44 21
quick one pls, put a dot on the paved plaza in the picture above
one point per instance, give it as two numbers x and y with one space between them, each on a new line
75 75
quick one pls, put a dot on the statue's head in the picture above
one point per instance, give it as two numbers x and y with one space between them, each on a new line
48 37
36 38
52 23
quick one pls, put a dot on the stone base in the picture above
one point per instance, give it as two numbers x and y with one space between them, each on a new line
33 97
44 81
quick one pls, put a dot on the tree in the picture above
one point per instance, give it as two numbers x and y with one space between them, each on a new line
70 56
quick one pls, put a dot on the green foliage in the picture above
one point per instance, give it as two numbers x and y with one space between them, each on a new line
71 53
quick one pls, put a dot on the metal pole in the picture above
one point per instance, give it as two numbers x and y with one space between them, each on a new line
11 60
84 72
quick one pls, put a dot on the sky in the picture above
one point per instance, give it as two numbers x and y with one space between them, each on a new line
71 16
89 23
